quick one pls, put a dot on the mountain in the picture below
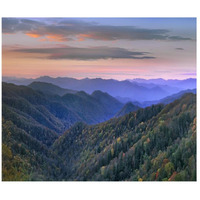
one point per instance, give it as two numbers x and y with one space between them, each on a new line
90 108
170 89
109 102
48 88
168 99
123 89
156 143
112 87
47 115
17 81
178 95
27 109
182 84
128 107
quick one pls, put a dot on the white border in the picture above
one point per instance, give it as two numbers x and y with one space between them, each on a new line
101 190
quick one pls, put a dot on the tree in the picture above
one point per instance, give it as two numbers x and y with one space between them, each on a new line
169 168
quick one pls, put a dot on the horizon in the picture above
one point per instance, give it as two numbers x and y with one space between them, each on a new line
14 77
108 48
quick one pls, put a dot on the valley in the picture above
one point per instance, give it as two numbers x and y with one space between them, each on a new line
58 134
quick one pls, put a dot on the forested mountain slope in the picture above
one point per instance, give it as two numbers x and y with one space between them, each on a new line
48 88
44 114
127 108
155 143
24 158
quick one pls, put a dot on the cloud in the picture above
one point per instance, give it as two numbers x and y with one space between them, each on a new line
53 29
92 53
14 25
178 38
179 49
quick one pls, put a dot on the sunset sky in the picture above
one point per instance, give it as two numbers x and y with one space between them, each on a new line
118 48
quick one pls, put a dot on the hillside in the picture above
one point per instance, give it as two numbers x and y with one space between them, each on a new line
128 107
155 143
24 158
50 114
48 88
169 99
109 102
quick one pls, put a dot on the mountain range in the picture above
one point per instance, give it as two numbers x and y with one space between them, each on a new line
157 143
52 133
128 90
167 99
189 83
50 89
51 114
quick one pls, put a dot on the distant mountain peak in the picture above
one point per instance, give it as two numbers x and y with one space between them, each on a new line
128 107
97 92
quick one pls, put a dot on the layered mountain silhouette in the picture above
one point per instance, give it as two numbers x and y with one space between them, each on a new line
133 90
49 88
149 144
53 133
53 114
169 99
183 84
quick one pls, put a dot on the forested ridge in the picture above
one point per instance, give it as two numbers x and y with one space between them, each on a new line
157 143
31 109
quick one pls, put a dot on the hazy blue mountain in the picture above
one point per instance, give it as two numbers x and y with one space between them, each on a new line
52 115
173 97
109 102
183 84
169 99
112 87
127 108
134 90
170 89
123 99
124 89
49 88
17 81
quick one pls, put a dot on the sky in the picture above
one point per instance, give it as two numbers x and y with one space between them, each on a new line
109 48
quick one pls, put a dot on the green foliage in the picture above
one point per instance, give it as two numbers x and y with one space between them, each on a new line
24 158
159 147
169 168
23 106
157 143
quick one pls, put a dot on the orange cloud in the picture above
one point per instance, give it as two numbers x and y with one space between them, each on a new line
48 37
34 35
43 40
81 37
56 38
60 37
